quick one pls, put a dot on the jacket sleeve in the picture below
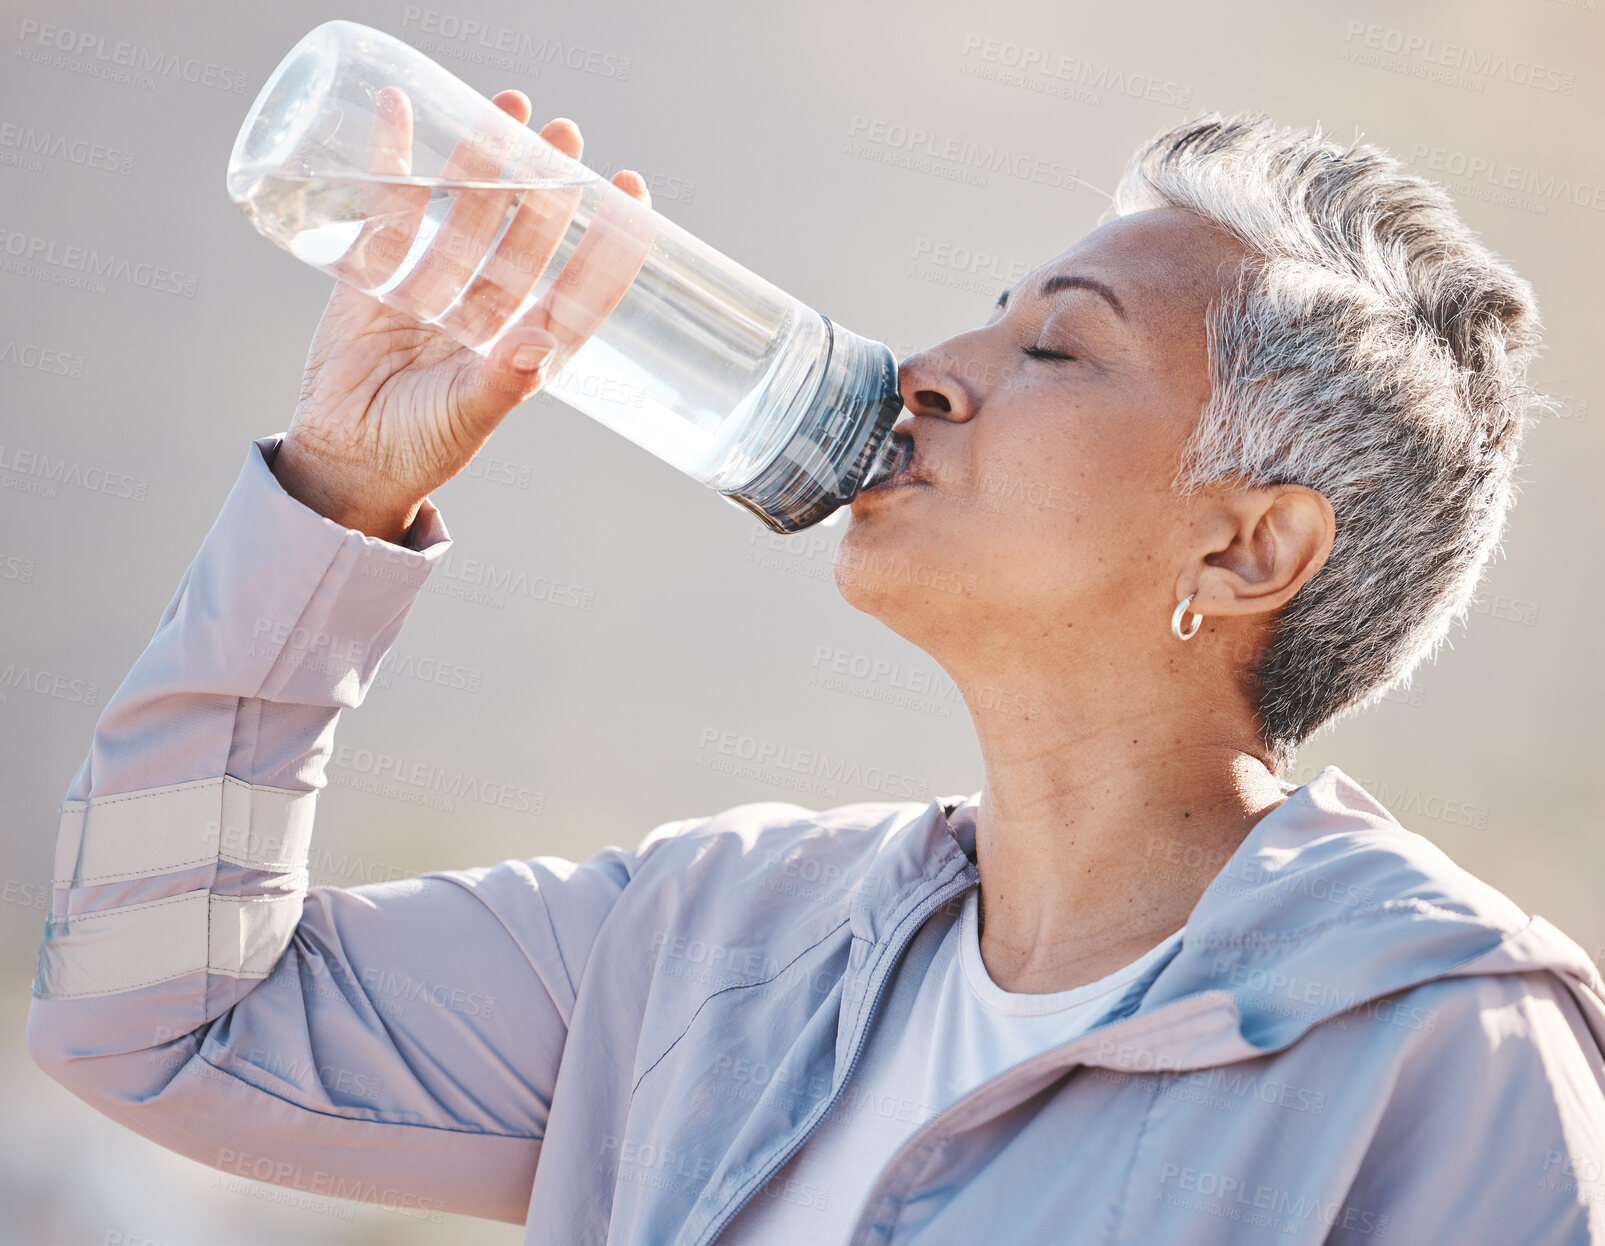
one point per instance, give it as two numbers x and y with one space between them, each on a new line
396 1043
1495 1130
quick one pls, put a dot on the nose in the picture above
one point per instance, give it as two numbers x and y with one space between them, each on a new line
932 382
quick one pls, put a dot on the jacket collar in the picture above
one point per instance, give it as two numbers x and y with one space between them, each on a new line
1327 904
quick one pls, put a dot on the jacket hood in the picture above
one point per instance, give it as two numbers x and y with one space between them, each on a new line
1327 905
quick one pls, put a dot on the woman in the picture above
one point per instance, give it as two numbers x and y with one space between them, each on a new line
1222 471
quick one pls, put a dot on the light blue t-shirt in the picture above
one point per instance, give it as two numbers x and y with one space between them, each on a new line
962 1030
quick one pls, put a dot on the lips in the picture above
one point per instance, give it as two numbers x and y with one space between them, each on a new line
904 468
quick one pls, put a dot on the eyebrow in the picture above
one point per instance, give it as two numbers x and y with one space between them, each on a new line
1069 281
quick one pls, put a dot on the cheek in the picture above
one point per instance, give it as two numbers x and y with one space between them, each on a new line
1085 505
1105 472
1044 486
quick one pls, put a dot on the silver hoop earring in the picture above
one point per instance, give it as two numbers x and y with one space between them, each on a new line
1175 620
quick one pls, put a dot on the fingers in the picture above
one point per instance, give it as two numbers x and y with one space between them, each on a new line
392 132
527 245
457 254
515 104
633 184
596 276
564 135
525 354
465 233
515 360
514 371
480 290
390 213
522 253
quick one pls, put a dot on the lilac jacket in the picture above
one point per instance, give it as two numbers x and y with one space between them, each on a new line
1356 1041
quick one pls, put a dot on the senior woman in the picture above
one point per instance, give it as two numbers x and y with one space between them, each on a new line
1227 468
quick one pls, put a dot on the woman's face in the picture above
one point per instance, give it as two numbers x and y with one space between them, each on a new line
1045 442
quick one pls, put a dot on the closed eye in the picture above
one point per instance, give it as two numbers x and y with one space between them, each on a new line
1039 352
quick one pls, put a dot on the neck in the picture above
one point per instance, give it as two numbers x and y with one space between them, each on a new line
1096 839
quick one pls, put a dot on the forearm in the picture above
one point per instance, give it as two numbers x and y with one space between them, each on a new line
191 814
180 866
193 987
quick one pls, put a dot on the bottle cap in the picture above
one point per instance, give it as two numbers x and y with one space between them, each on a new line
824 463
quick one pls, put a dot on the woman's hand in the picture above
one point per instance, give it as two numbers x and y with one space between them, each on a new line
392 408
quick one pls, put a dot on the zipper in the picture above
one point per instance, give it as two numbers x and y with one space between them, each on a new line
913 922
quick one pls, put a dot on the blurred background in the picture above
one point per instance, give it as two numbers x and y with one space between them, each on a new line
811 144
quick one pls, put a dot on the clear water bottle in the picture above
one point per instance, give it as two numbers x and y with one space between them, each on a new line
369 161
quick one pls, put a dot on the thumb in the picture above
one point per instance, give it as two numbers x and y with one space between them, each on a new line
515 369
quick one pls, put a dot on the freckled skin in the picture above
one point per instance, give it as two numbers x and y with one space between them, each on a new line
1097 440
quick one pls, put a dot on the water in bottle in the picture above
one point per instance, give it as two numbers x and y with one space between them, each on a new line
367 160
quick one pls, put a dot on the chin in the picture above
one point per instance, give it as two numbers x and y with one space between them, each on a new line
891 561
868 546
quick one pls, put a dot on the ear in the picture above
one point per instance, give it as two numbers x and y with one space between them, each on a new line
1266 543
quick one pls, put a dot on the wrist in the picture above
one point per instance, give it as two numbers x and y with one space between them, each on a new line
339 495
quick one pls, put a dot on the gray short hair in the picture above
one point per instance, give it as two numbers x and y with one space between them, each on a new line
1373 350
